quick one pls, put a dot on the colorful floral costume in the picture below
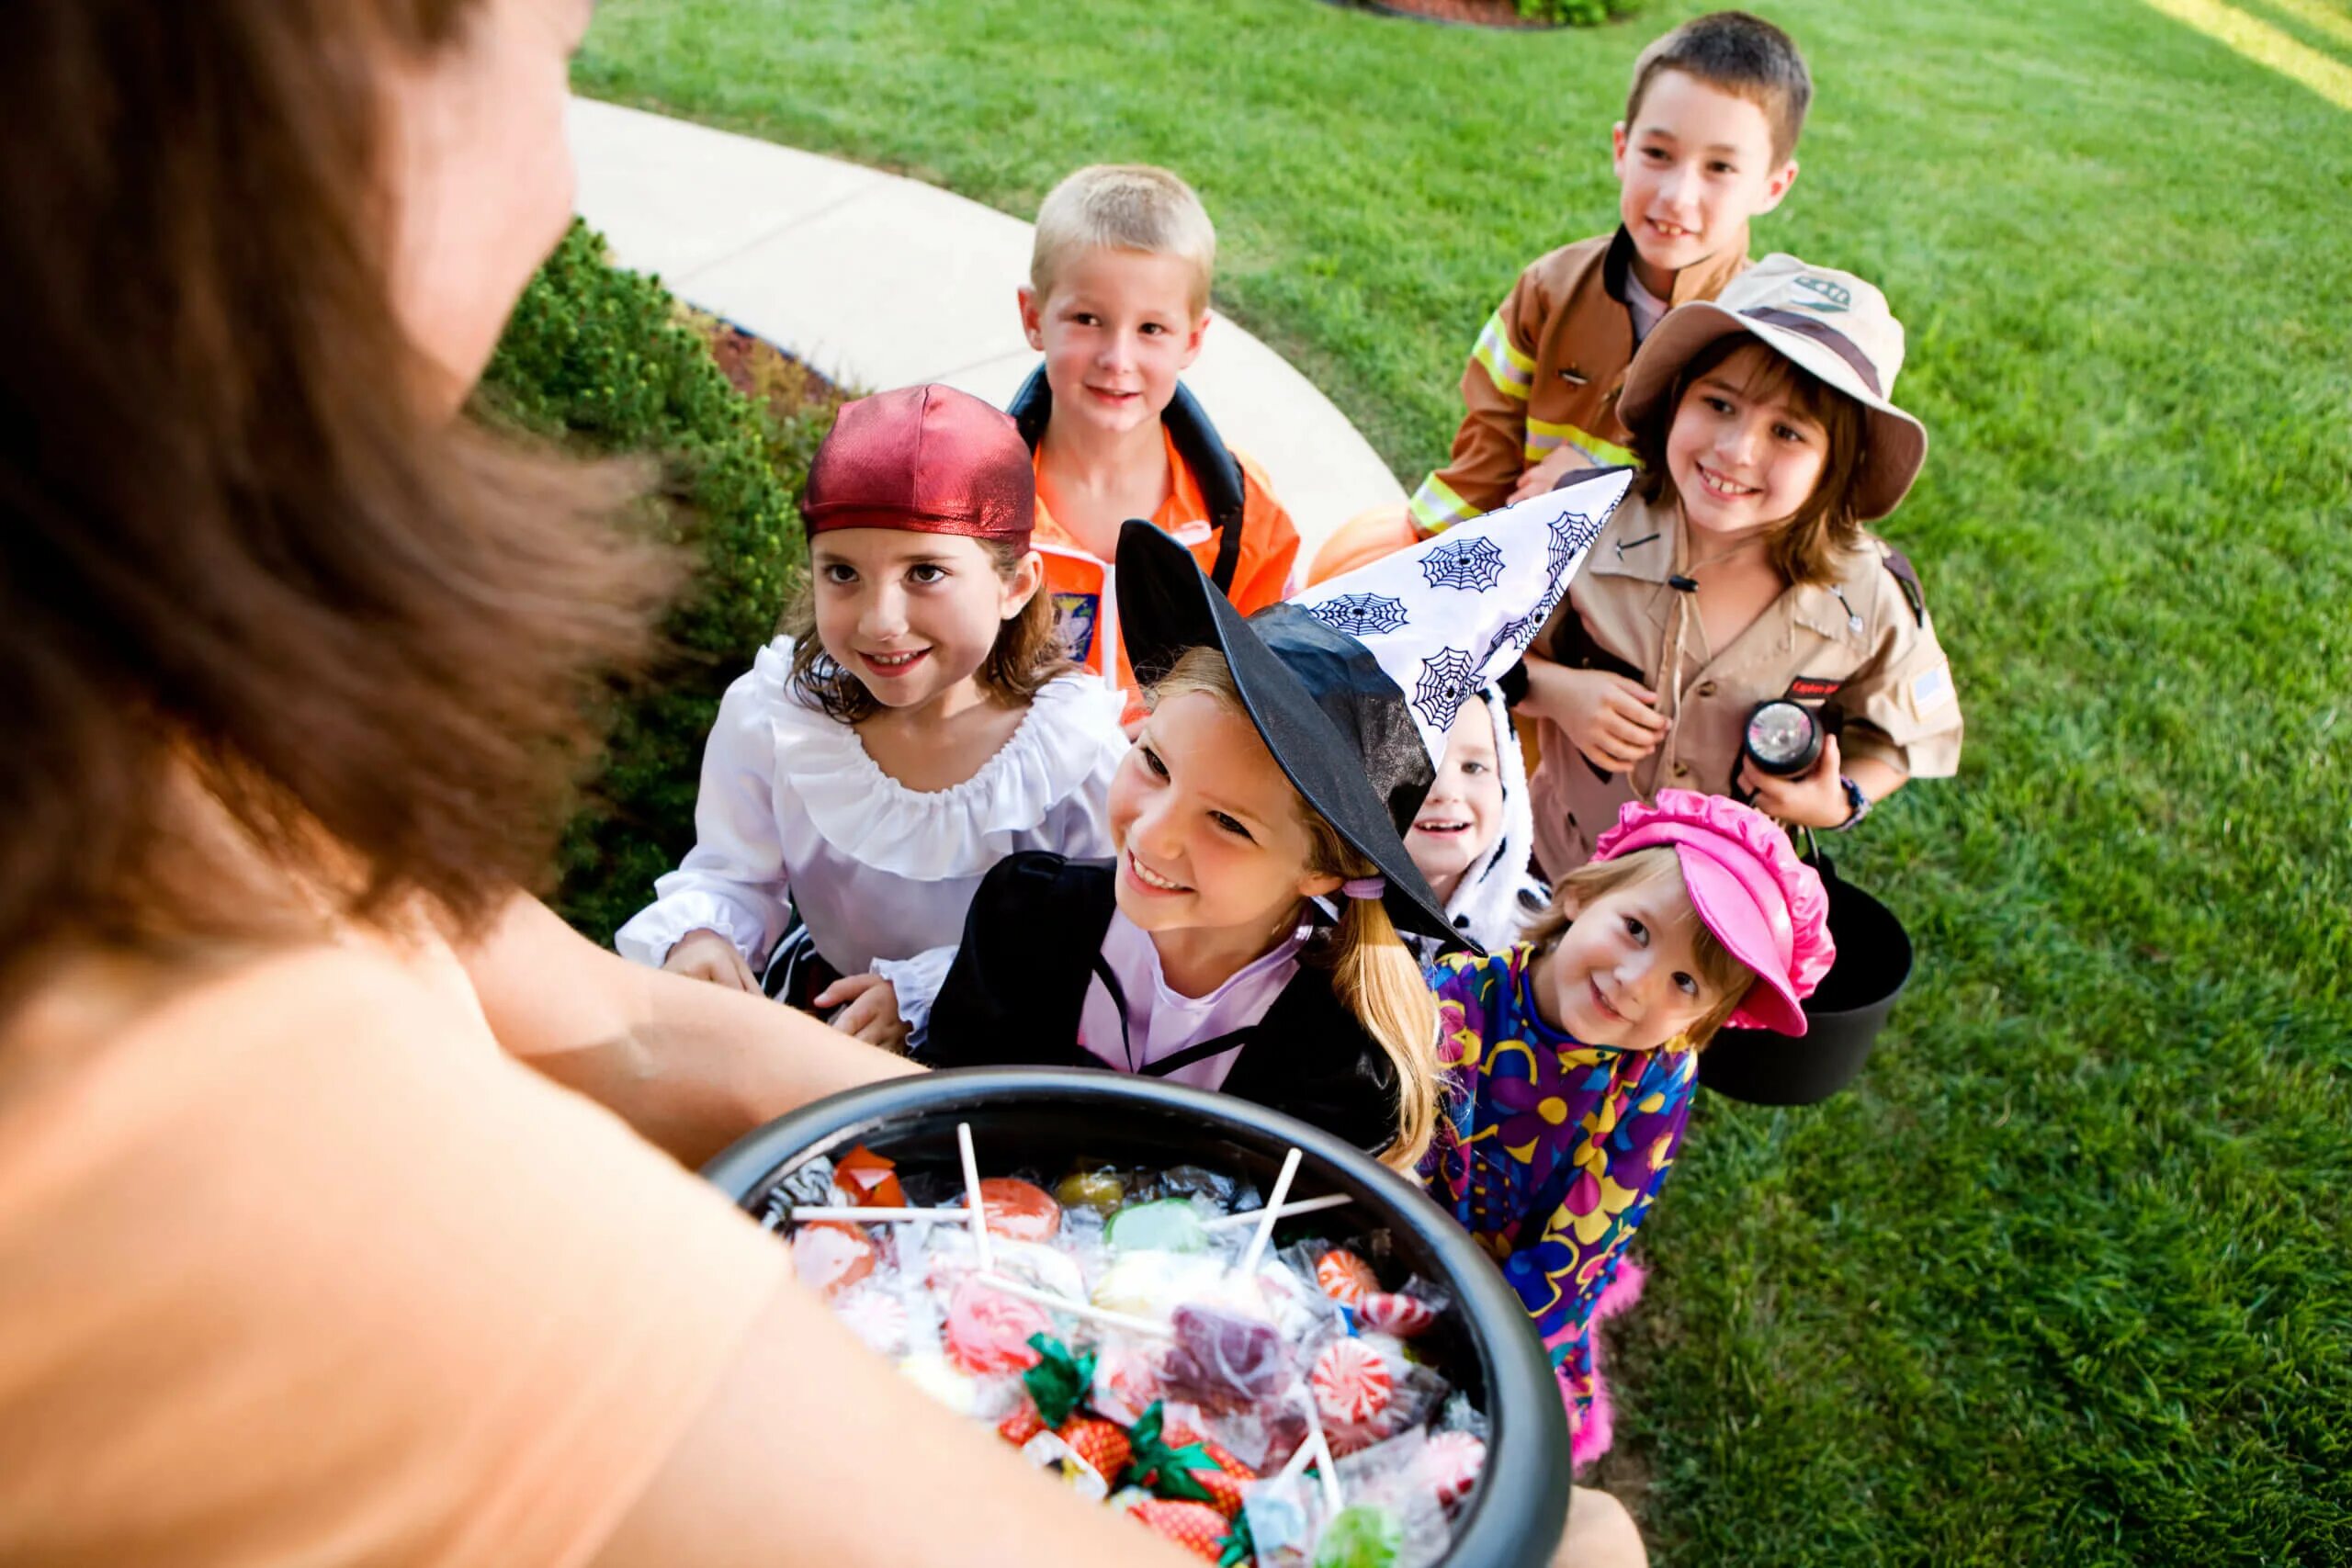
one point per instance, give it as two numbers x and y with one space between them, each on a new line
1534 1119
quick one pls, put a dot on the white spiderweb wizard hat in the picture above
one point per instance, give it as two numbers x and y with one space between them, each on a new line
1353 684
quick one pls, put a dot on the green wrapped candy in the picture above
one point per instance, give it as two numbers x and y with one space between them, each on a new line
1169 1225
1359 1536
1100 1190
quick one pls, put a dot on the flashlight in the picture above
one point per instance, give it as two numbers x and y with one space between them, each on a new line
1782 737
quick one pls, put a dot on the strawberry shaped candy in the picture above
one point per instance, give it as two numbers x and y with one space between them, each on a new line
1221 1478
1056 1384
1195 1527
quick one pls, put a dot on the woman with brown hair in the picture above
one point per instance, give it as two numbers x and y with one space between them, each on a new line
307 1250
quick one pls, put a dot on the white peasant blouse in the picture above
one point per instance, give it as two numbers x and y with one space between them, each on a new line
793 811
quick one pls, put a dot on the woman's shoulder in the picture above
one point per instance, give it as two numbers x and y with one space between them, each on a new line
256 1171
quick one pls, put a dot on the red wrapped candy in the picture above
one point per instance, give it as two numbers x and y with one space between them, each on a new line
828 1257
1345 1278
1451 1463
868 1179
1021 1209
1352 1382
1389 1312
989 1331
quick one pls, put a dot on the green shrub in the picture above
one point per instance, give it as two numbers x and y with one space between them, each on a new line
606 361
1577 13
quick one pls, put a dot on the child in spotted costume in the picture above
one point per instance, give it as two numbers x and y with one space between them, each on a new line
1574 1054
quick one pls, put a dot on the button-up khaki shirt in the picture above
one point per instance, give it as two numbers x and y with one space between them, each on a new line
1856 645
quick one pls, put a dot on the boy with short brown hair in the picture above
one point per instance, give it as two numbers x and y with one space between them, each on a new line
1708 142
1118 301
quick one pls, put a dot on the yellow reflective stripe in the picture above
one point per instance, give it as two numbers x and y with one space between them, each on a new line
1544 438
1514 373
1435 507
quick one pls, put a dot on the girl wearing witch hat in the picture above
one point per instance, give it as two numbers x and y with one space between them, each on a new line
1246 935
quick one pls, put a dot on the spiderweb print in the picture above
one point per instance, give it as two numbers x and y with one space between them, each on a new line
1360 615
1474 565
1446 681
1514 637
1572 533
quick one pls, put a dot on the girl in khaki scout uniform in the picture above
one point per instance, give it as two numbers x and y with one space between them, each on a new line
1740 571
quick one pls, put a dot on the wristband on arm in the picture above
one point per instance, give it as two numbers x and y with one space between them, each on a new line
1857 805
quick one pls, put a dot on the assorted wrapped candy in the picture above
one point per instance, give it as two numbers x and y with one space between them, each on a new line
1129 1332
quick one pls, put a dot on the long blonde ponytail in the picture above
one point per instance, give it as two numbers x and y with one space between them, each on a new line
1374 974
1377 978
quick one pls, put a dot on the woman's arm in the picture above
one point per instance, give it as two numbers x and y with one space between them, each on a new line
692 1066
814 1450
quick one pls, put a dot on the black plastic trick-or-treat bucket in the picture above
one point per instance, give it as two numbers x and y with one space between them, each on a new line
1843 1016
1050 1117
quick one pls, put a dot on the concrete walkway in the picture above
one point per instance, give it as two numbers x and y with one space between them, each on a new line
878 281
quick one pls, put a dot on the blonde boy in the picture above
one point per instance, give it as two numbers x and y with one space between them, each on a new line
1708 142
1118 302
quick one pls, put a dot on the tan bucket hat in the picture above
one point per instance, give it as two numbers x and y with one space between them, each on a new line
1828 323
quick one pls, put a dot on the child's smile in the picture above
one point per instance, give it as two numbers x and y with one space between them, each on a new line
1693 165
1741 459
890 666
1461 816
911 616
1626 972
1207 830
1116 331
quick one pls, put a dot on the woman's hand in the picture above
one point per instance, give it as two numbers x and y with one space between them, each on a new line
707 955
872 1011
1811 799
1614 721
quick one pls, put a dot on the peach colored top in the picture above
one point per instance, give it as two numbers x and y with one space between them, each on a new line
297 1265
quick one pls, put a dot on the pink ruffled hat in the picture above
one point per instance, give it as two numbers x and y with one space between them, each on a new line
1768 907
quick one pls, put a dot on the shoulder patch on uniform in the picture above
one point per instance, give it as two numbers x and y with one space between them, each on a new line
1899 567
1931 690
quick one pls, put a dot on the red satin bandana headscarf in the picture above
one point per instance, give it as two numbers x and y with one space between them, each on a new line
924 460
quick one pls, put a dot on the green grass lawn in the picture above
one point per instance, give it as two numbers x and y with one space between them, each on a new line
2068 1278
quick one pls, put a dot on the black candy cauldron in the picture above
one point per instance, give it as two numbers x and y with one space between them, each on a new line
1047 1117
1843 1016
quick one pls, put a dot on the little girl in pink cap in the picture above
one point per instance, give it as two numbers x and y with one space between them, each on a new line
1574 1054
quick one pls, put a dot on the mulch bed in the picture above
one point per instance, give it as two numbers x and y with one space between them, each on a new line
1465 12
787 387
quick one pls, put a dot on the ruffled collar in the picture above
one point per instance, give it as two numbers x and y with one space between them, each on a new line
1069 735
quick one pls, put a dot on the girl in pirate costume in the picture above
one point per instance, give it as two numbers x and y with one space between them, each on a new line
1246 935
920 725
